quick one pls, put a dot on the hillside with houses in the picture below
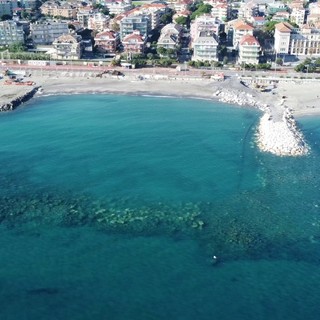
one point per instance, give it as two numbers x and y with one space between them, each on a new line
253 34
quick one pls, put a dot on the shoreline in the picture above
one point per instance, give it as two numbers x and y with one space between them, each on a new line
232 91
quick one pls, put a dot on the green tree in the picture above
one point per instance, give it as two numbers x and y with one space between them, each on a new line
300 67
139 63
270 27
25 14
167 17
279 61
115 62
201 9
161 51
150 56
171 52
17 47
264 66
317 62
182 20
165 62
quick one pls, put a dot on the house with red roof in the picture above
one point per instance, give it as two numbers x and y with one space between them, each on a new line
249 50
240 29
258 22
107 41
134 43
282 35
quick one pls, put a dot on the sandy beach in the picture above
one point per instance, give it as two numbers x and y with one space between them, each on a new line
301 97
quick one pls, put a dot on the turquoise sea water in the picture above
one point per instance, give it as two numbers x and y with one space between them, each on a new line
111 207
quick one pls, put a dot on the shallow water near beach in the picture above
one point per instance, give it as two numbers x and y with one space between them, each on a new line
112 207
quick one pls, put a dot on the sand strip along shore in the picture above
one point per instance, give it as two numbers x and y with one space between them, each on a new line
277 132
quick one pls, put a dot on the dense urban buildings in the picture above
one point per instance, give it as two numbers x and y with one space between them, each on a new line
207 31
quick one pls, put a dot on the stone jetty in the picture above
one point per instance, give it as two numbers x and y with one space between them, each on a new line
277 131
15 96
281 137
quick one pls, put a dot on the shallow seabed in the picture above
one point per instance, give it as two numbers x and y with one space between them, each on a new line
112 207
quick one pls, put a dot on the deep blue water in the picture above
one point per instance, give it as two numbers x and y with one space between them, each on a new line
111 207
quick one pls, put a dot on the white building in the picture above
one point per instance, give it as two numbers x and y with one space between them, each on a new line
298 15
282 35
300 42
220 10
119 7
205 47
83 16
240 29
67 47
154 10
98 22
129 24
248 10
249 50
204 23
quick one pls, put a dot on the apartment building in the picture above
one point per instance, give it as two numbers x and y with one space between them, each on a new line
314 14
141 23
281 16
59 9
180 5
276 7
248 10
304 41
83 15
249 50
205 47
119 7
155 12
240 29
67 47
11 32
221 10
46 32
134 43
98 21
298 13
170 36
107 41
205 22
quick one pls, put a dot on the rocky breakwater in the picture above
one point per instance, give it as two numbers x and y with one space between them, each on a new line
12 101
281 137
278 132
240 97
